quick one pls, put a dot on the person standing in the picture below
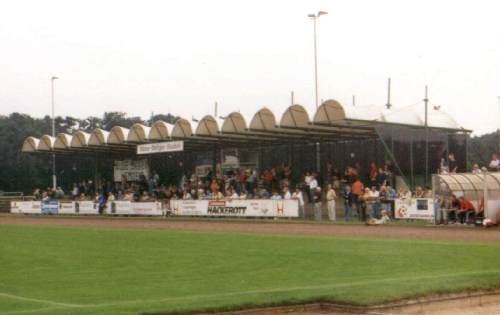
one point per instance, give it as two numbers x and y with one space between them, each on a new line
317 203
313 184
357 190
375 196
347 202
297 195
330 200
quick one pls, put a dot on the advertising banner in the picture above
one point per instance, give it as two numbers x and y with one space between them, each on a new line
130 170
67 208
50 207
134 208
235 208
28 207
414 208
86 207
160 147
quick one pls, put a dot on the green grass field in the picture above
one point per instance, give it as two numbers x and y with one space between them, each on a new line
59 270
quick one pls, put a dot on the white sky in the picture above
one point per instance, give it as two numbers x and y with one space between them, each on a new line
182 56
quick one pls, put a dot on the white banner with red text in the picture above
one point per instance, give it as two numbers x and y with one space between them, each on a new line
235 208
414 208
28 207
134 208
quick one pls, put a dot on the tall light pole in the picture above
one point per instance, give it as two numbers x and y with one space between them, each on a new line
314 17
54 178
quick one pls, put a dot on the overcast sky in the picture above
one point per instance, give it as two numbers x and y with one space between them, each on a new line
182 56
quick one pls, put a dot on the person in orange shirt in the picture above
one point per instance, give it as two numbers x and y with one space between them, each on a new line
466 209
357 191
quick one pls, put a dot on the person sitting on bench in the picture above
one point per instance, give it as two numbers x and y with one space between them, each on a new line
465 211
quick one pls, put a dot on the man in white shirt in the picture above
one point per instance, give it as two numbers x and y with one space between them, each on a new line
297 195
330 199
286 193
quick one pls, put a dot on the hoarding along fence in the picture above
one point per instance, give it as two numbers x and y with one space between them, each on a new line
210 208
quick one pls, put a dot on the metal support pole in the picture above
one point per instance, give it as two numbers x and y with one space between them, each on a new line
318 158
54 177
315 64
426 101
412 176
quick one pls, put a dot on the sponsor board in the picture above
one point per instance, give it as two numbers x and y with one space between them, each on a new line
28 207
50 207
414 208
130 170
86 207
134 208
67 208
160 147
235 208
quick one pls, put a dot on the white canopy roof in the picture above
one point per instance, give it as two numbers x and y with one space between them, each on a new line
138 133
46 143
80 139
30 144
118 135
331 119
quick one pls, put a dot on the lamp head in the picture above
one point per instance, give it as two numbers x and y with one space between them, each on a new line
320 13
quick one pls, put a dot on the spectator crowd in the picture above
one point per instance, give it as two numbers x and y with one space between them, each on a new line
367 194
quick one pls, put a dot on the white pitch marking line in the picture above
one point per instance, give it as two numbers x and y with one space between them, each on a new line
276 290
291 289
23 298
35 310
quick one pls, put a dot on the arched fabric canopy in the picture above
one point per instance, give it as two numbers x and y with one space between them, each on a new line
63 141
403 116
160 130
207 126
30 144
99 137
332 112
234 123
263 120
295 116
138 133
80 139
118 135
182 129
46 143
439 119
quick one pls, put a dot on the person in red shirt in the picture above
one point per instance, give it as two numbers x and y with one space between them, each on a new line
466 209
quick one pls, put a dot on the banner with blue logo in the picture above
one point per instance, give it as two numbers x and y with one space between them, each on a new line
50 207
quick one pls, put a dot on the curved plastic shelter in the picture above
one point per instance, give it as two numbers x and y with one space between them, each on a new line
474 187
46 143
234 123
80 139
118 135
98 137
263 120
138 133
295 116
63 141
30 144
182 129
160 130
207 126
